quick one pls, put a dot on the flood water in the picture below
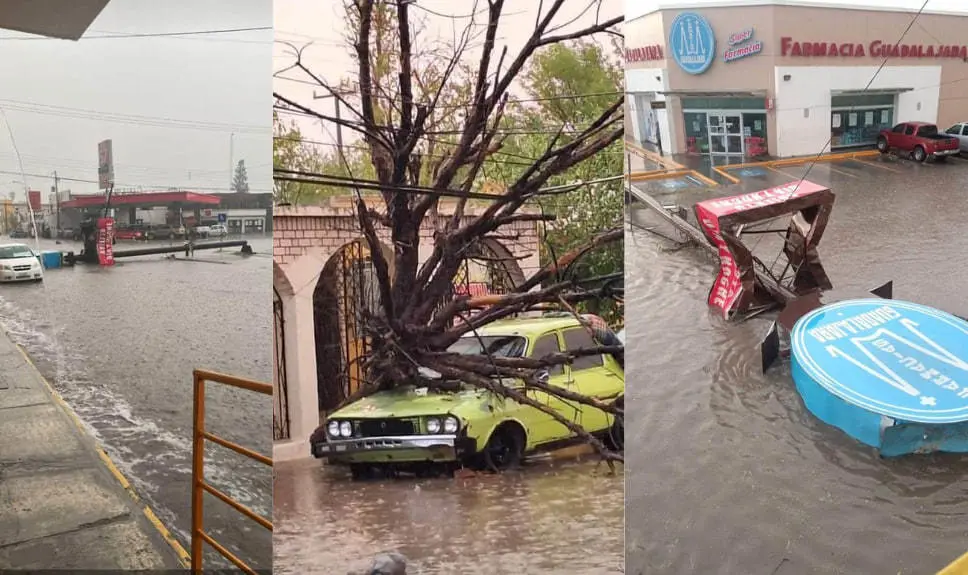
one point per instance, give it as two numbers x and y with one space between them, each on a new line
120 344
560 516
727 471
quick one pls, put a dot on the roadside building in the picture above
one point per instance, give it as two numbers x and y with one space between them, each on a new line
785 77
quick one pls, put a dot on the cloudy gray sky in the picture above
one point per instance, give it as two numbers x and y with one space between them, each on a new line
636 8
170 104
320 24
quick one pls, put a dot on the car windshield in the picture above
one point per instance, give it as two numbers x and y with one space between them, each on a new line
14 252
496 345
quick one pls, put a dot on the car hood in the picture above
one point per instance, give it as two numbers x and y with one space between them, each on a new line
17 261
405 403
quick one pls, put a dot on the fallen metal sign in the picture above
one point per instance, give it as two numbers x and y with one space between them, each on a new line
739 287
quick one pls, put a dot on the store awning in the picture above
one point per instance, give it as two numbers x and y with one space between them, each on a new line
721 94
882 92
64 19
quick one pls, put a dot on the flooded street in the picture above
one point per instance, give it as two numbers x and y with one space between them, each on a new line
550 517
727 471
120 344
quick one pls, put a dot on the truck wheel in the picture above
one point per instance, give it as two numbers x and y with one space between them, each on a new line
919 154
504 448
882 146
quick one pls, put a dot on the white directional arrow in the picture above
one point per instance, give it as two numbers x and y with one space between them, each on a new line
894 380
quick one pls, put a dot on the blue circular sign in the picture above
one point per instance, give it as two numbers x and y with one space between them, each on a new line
893 358
692 42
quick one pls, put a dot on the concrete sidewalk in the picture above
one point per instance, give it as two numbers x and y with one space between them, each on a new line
63 504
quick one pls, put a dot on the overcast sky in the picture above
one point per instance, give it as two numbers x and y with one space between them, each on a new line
321 23
61 98
636 8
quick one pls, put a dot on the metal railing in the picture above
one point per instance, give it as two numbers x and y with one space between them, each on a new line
199 486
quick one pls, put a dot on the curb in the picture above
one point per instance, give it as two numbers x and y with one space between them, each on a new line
183 557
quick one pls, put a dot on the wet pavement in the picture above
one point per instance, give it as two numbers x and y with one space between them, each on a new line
120 344
727 471
551 517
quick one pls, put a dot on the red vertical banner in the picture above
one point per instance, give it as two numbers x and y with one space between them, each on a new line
105 241
33 199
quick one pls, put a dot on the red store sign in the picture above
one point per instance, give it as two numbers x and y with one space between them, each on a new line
875 49
644 54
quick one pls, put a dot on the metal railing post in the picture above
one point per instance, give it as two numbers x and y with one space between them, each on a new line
198 472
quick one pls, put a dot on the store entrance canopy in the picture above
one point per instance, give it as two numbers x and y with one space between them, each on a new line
64 19
882 92
721 94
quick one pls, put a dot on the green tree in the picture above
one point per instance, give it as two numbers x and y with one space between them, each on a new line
582 69
240 182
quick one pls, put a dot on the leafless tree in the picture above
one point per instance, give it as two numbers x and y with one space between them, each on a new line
419 316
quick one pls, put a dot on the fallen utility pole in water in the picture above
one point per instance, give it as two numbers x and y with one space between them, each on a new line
86 257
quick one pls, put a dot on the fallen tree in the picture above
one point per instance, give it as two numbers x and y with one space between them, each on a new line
421 151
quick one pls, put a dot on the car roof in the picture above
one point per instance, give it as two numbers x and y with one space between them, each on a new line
918 124
528 326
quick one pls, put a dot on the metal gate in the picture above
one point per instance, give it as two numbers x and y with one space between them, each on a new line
486 270
280 411
346 294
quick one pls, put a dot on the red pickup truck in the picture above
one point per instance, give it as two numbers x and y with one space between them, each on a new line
920 139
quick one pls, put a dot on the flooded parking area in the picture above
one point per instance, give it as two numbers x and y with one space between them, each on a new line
727 471
120 343
551 516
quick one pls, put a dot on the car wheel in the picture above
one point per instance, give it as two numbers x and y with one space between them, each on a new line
919 154
882 146
616 433
504 449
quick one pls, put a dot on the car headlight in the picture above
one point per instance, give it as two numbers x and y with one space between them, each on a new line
433 425
333 428
8 268
450 425
345 428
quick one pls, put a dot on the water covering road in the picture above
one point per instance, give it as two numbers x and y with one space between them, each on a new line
727 471
120 344
551 517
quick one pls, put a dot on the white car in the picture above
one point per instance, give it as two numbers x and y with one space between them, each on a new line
960 131
19 263
218 231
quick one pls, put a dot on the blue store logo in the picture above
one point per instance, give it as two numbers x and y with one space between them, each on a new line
692 42
898 359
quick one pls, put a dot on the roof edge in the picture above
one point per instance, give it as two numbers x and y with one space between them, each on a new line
662 6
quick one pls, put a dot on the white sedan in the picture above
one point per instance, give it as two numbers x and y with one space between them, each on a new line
19 263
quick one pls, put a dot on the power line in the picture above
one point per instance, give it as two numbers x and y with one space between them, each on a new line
120 185
348 182
136 119
145 35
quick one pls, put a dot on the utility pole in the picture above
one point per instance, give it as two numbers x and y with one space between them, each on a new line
339 127
231 161
57 200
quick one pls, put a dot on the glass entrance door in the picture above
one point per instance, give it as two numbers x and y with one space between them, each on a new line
726 134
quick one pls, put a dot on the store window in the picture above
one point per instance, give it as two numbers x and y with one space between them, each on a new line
697 132
856 120
754 134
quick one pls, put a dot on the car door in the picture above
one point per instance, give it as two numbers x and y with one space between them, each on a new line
907 138
963 137
545 428
589 376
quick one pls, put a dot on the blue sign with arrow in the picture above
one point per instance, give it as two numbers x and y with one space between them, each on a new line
692 42
897 359
222 218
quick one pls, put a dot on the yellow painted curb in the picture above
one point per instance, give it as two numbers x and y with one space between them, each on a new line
657 158
959 567
180 551
722 172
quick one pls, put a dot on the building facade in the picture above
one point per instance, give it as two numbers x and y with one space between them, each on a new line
786 78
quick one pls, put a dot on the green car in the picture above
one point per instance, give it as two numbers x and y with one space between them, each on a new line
407 429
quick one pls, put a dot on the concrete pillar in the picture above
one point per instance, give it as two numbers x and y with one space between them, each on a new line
301 385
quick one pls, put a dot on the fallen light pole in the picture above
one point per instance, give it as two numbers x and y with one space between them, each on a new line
70 258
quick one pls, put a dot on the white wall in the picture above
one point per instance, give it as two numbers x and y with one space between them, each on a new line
649 81
810 88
